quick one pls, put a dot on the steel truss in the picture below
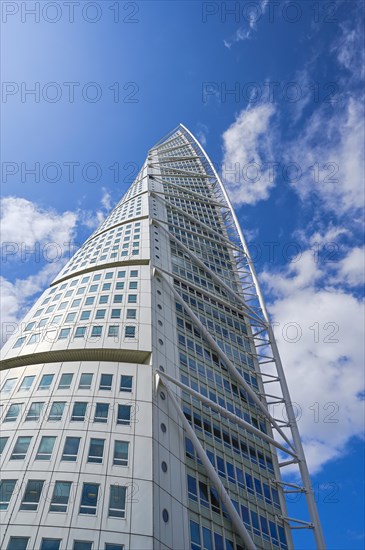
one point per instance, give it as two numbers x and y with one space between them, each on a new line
247 298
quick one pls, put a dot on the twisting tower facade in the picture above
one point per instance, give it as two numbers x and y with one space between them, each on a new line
136 394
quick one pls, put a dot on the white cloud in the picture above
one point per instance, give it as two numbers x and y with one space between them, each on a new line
18 297
320 337
247 144
252 16
351 269
92 219
24 224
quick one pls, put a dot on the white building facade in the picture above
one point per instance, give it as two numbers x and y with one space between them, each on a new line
134 396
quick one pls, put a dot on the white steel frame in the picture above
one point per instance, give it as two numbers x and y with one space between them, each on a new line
251 303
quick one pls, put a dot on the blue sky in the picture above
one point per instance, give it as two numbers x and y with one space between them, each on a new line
273 91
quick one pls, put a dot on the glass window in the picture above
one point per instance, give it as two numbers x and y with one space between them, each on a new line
133 285
13 412
132 298
106 381
80 332
56 319
112 546
79 411
26 383
56 412
71 449
121 274
64 333
9 385
19 342
106 286
82 545
85 381
34 411
130 332
45 448
6 492
3 441
96 332
85 315
124 414
96 450
109 275
18 543
126 383
65 381
121 449
115 313
89 498
80 291
70 317
50 544
119 286
97 277
76 303
32 495
62 305
103 299
21 448
118 299
100 313
134 273
43 322
117 501
131 313
93 288
29 326
113 330
35 338
89 301
60 497
46 381
101 412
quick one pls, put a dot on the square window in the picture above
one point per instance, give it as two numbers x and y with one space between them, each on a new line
68 293
132 298
79 411
89 301
121 274
19 342
85 381
82 545
134 273
70 317
34 339
80 332
96 331
64 333
18 543
97 277
126 383
119 286
100 313
133 285
130 332
84 280
106 286
50 309
106 381
60 497
56 319
85 315
29 326
65 381
89 498
38 312
62 305
101 412
45 448
76 303
103 299
34 411
50 544
93 288
3 442
9 385
13 412
121 449
80 291
124 415
43 322
26 383
109 275
71 449
96 450
46 381
118 299
113 331
56 412
117 501
6 492
131 313
115 314
21 448
32 495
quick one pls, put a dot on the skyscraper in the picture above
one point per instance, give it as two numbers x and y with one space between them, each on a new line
135 395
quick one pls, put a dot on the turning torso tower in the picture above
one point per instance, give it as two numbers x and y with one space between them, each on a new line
135 396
